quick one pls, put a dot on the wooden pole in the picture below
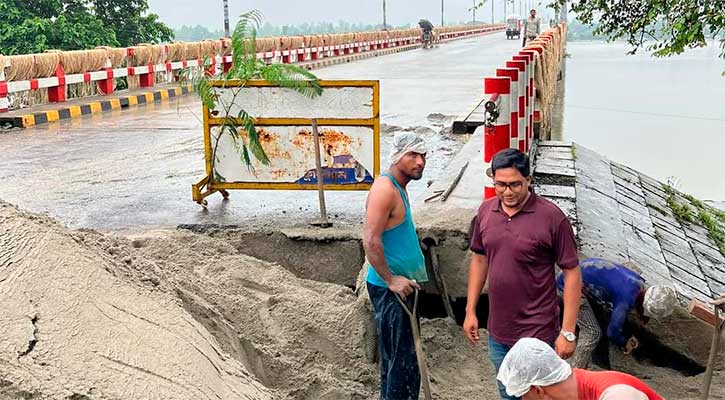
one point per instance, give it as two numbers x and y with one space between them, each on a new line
320 178
714 349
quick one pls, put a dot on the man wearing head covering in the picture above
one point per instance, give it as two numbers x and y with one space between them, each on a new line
532 370
617 288
516 239
396 266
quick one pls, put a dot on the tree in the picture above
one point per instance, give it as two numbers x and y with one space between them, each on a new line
246 67
29 26
666 27
127 20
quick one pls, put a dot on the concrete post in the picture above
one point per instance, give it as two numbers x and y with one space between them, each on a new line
57 94
498 135
517 142
521 67
527 99
532 91
4 101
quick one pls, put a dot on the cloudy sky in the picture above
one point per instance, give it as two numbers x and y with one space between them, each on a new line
209 13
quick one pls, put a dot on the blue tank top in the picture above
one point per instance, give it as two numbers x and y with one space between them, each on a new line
401 248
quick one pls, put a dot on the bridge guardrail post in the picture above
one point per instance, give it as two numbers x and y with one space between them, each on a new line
498 126
517 142
532 98
520 66
527 88
56 94
4 101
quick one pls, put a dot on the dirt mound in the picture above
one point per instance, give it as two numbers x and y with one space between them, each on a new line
306 339
70 329
457 369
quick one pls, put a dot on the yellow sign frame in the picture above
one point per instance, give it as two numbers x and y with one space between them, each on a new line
207 186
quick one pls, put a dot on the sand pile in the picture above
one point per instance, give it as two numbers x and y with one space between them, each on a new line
305 339
179 315
70 329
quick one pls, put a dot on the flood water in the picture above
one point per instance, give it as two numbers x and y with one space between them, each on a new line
663 117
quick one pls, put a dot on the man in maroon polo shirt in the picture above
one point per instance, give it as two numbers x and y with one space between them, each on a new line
517 238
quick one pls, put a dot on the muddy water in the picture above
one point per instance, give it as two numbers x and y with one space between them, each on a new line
664 117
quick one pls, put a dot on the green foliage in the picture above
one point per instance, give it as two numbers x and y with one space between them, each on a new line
706 216
29 26
246 67
683 213
665 27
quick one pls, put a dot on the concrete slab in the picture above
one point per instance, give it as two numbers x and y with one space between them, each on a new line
600 222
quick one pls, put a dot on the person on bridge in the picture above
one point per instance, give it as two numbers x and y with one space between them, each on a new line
516 239
618 288
396 266
532 27
533 370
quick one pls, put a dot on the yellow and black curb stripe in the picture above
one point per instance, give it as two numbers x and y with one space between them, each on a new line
28 120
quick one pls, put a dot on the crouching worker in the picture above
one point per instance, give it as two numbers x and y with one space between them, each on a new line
532 370
617 287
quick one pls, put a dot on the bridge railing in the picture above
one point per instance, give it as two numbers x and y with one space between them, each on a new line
522 94
55 76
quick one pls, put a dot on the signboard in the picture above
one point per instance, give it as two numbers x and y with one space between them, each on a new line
348 120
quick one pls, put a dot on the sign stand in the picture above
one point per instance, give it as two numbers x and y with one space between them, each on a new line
323 222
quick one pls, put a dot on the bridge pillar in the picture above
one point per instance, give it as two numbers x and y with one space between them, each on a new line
497 136
517 142
4 101
57 94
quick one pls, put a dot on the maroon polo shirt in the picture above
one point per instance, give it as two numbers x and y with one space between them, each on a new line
521 252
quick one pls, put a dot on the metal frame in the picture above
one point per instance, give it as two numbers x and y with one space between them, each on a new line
206 186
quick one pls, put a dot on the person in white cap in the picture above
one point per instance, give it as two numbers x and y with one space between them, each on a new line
396 266
533 371
619 289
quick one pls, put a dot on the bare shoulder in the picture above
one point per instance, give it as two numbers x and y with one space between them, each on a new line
382 187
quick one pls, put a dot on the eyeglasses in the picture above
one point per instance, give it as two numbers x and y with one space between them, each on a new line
514 186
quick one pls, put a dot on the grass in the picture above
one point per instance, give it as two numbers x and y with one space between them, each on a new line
706 216
573 152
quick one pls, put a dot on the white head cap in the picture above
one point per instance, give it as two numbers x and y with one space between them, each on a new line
531 362
659 301
404 143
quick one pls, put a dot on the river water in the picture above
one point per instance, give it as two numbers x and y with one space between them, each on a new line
663 117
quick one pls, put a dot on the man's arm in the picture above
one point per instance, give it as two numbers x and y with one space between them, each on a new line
568 260
615 329
572 297
380 203
477 274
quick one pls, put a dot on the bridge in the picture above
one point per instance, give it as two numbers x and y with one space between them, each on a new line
124 161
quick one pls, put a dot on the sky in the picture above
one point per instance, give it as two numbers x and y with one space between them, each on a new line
209 13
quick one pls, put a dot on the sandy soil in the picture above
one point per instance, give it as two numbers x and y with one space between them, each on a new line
171 314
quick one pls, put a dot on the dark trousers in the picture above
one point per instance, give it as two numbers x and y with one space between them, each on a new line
399 375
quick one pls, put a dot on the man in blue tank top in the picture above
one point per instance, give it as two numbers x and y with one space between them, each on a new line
396 266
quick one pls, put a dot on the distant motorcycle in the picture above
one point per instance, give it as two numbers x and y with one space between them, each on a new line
427 40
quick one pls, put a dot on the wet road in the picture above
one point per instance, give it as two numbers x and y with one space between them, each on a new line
134 169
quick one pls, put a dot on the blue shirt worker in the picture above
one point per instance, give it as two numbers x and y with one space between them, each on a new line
396 266
621 290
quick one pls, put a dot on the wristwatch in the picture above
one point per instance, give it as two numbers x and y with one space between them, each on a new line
569 336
